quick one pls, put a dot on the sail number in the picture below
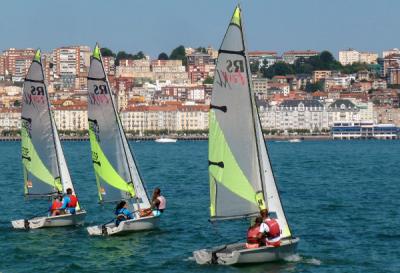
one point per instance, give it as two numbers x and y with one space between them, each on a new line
99 95
100 89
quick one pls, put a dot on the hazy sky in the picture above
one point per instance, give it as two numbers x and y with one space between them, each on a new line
160 25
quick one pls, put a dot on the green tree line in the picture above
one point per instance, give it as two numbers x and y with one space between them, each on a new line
323 61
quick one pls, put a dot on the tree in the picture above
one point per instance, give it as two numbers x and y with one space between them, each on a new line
208 80
279 68
312 87
178 54
163 56
139 56
105 52
17 103
201 49
122 55
254 67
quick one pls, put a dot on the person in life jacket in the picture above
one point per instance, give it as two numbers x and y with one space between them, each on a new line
56 206
122 213
70 202
271 229
254 236
158 204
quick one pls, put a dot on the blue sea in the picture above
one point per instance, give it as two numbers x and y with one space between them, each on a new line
342 198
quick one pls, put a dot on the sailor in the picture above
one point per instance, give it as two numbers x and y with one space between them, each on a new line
70 202
56 205
254 236
158 204
270 229
122 213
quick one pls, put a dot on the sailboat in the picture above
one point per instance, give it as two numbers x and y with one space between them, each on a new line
44 166
114 165
241 178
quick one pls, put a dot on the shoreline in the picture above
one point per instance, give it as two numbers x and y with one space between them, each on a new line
184 138
205 138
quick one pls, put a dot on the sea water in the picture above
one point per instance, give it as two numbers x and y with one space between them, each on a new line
342 198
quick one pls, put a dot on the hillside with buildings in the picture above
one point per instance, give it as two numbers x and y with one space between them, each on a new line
297 92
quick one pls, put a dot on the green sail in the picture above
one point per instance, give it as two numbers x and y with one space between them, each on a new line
104 169
230 176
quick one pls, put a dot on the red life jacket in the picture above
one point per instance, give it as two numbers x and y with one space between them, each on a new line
252 234
274 229
73 201
55 205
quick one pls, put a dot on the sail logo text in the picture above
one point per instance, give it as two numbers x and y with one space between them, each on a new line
99 95
234 74
36 95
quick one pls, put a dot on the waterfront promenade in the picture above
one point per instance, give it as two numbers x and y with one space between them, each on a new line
183 138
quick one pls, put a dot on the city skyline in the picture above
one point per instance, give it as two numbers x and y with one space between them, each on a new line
139 26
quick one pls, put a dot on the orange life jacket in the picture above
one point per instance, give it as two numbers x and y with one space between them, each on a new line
274 229
56 205
73 201
252 235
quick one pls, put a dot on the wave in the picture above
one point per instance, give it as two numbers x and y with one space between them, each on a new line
296 258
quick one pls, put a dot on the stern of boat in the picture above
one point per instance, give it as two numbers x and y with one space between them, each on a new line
51 221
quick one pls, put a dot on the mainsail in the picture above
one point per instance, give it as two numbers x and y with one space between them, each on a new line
241 178
45 168
114 165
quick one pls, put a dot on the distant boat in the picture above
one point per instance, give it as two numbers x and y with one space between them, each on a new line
294 140
45 169
241 178
166 140
114 165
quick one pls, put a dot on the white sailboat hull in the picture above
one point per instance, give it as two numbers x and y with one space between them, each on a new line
166 140
234 254
144 223
51 221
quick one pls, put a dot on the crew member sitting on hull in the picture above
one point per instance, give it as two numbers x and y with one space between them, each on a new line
270 229
70 202
56 205
158 204
122 213
254 236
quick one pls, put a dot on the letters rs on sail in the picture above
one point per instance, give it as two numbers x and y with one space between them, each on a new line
234 74
100 94
35 95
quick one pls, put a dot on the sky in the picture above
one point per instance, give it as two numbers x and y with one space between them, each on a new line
155 26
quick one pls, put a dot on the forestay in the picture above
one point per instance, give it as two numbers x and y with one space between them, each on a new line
39 155
114 165
239 168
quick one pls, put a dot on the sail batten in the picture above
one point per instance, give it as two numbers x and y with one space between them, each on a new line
241 178
116 173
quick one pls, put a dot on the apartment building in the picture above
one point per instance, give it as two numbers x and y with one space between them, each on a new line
351 56
134 69
70 115
264 58
16 62
319 75
169 70
291 56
